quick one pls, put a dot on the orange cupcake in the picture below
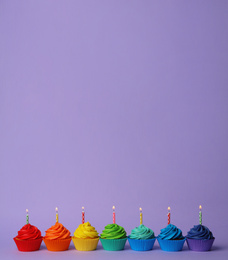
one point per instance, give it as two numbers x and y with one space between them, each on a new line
57 238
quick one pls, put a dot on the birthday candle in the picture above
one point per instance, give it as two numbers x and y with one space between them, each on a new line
27 217
200 215
83 215
141 216
168 215
57 215
113 215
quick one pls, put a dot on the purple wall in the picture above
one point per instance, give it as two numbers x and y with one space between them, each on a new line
108 103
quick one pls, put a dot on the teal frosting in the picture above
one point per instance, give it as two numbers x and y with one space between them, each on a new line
141 232
171 232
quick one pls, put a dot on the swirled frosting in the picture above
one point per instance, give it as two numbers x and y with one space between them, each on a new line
58 231
200 232
171 232
141 232
86 231
113 231
28 232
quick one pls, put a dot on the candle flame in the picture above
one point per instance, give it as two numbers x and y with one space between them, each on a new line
168 208
56 209
140 209
113 207
200 207
27 211
83 208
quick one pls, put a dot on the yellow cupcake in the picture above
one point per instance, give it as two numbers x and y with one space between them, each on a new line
85 237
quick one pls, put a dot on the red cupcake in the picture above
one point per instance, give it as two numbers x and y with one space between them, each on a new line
28 239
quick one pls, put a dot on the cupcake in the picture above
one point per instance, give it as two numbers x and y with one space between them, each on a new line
141 238
28 239
85 237
171 238
57 238
200 238
113 237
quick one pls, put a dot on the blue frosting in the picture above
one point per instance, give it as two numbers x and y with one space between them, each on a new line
171 232
200 232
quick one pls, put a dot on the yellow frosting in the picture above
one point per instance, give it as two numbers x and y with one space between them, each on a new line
85 231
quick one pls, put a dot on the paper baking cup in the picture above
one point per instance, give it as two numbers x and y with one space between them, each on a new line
171 245
83 244
113 244
57 244
200 245
28 245
141 244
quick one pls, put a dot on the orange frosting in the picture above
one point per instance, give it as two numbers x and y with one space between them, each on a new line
58 231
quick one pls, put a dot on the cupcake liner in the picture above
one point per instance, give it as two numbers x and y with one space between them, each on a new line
57 244
171 245
83 244
200 244
113 244
141 244
28 245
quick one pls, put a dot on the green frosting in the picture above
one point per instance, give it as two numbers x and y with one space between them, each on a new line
113 231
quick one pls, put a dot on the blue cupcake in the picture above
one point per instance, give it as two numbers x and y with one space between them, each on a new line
171 238
141 238
200 238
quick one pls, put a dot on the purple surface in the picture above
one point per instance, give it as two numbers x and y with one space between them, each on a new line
108 103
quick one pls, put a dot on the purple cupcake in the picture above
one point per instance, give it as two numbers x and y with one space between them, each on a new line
200 238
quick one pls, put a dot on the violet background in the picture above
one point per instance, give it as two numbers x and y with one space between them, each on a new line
108 103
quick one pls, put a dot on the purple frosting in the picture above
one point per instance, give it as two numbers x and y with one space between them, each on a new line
200 232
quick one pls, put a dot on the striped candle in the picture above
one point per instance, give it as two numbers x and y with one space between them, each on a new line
83 215
141 216
168 215
56 215
113 215
27 217
200 215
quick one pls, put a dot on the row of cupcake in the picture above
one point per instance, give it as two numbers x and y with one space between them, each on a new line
113 237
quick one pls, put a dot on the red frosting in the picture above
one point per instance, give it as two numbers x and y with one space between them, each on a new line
28 232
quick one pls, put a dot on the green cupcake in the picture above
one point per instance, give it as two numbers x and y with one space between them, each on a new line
113 237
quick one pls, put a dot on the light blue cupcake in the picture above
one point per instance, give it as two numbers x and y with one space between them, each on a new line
141 238
171 238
